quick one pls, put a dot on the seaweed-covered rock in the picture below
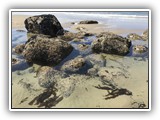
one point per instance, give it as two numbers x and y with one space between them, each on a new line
134 36
19 48
140 49
44 24
112 44
46 51
68 36
74 65
88 22
145 35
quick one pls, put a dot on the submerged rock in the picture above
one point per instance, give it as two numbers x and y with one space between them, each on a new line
140 49
19 48
134 36
112 44
88 22
46 51
47 76
44 24
74 65
105 74
92 71
83 47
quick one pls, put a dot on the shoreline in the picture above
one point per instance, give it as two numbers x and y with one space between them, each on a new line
18 23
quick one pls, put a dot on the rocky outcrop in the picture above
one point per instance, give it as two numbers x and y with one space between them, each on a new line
88 22
74 65
112 44
139 49
145 35
134 36
46 51
44 24
19 48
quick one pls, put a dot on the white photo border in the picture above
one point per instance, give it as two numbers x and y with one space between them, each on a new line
78 109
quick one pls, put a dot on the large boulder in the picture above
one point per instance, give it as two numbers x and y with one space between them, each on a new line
44 24
46 51
112 44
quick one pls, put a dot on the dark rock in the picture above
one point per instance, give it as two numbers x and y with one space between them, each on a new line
46 51
88 22
73 23
74 65
19 48
44 24
140 49
112 44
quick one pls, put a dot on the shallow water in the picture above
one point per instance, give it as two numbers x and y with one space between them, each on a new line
21 37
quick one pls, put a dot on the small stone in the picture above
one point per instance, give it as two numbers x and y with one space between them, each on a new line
140 49
83 47
19 48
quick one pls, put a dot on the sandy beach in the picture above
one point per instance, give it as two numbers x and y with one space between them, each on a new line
81 90
18 23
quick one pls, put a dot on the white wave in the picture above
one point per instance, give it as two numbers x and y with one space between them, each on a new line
101 15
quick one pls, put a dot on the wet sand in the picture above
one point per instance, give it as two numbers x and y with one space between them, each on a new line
130 73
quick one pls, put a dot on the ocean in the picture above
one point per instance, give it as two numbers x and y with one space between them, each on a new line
118 20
